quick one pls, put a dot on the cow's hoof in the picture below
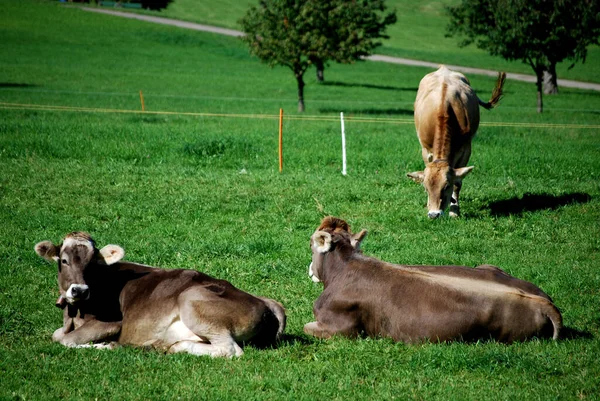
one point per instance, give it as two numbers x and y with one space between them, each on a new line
111 345
454 214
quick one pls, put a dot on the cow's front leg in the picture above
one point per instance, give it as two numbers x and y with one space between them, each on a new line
58 334
317 330
454 206
93 331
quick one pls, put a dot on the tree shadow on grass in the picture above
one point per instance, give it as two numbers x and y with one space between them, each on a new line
16 85
368 86
535 202
372 112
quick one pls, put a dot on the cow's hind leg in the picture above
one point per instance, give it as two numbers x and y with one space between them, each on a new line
219 346
208 322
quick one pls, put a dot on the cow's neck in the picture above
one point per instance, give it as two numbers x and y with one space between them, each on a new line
442 141
106 284
334 264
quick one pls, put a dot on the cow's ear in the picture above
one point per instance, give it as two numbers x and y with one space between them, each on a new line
111 254
462 172
357 239
322 241
416 176
47 250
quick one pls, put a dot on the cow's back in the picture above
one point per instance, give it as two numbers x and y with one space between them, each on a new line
412 303
444 91
167 306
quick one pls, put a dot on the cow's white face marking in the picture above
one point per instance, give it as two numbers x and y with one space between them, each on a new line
77 292
313 275
70 242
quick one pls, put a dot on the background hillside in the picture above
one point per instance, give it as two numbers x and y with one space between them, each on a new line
418 34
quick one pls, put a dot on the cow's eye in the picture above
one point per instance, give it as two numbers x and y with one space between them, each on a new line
64 261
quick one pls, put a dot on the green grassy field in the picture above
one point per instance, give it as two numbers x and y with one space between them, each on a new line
204 192
418 34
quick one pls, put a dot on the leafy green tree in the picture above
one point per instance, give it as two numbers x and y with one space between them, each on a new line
300 33
540 33
351 30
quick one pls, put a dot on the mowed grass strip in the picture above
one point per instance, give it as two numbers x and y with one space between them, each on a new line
205 193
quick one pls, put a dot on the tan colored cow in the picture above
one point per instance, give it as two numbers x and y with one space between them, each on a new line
365 296
447 118
106 299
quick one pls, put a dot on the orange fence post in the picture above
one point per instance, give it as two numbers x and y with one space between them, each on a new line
142 100
280 140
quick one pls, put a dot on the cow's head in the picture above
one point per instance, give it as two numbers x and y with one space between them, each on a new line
77 252
332 233
439 179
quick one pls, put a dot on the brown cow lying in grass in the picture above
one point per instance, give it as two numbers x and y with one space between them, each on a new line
365 296
174 310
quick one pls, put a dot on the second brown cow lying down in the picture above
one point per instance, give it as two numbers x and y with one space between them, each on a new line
108 301
365 296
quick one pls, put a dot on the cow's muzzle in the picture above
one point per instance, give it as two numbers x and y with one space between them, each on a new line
434 214
76 293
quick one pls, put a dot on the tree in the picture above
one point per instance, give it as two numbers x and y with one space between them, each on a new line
540 33
351 30
300 33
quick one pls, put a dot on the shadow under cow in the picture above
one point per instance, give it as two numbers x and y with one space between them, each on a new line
569 333
535 202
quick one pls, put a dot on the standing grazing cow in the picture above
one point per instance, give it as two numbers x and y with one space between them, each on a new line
173 310
365 296
447 118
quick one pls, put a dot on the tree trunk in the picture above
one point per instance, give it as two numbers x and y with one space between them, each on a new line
539 84
300 80
550 84
320 69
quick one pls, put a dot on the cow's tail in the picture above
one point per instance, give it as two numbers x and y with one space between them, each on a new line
279 313
555 317
496 94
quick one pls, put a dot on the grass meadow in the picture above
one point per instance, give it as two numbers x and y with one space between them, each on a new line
194 183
